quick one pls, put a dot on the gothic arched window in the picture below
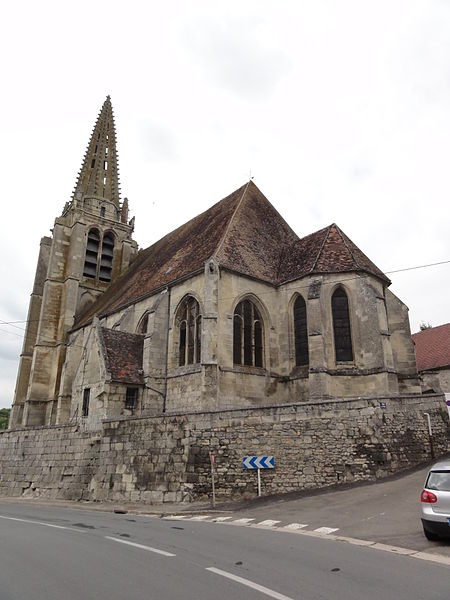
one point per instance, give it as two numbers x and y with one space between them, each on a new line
106 257
247 335
143 324
91 258
341 326
300 333
189 322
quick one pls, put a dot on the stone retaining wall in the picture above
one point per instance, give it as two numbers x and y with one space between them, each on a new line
166 458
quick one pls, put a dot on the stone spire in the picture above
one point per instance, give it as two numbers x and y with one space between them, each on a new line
99 174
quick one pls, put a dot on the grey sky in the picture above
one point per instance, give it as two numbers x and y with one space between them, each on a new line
340 109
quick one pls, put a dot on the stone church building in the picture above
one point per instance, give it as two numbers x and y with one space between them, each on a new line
230 310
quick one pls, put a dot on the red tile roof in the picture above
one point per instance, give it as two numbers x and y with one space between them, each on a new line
432 347
123 355
245 234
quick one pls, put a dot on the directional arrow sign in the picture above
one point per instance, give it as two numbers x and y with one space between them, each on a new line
258 462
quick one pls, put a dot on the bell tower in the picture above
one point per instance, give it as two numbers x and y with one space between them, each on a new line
90 247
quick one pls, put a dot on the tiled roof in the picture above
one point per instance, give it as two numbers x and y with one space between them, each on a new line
123 355
432 347
328 250
245 234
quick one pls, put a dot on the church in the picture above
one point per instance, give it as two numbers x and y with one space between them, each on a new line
231 310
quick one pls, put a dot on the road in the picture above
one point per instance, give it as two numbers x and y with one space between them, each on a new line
49 552
385 512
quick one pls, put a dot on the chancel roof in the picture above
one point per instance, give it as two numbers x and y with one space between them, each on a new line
432 347
123 355
243 233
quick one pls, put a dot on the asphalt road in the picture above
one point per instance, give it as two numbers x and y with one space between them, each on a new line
386 512
67 554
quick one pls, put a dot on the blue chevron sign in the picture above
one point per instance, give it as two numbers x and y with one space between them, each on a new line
258 462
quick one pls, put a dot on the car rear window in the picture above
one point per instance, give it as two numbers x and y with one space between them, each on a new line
438 480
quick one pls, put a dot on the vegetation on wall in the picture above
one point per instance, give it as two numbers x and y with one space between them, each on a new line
4 417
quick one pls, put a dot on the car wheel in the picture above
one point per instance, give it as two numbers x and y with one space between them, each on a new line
432 537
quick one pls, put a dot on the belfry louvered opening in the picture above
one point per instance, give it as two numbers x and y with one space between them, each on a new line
106 260
91 258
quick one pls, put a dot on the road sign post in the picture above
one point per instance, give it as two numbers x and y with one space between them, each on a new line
258 462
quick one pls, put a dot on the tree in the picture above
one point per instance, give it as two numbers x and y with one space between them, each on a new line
424 326
4 417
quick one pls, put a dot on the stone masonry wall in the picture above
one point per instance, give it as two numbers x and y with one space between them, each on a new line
166 458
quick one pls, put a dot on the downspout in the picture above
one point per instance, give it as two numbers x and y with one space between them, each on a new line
167 350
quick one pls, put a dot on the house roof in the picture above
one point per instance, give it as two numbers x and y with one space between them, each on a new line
432 347
245 234
123 355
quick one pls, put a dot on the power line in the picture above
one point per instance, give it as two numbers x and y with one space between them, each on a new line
443 262
297 287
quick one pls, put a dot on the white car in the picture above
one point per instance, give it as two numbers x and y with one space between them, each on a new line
435 502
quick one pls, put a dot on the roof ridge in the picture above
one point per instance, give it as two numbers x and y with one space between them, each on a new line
103 347
430 329
321 247
222 241
343 236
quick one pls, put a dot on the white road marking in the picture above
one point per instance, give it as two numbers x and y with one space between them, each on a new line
250 584
39 523
326 529
141 546
174 517
294 526
244 521
221 519
199 518
266 523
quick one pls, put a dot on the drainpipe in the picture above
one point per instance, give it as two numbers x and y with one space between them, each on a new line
167 350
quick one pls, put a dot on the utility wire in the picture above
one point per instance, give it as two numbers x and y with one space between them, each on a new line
297 287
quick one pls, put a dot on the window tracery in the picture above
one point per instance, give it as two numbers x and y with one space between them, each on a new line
301 333
247 335
189 322
341 326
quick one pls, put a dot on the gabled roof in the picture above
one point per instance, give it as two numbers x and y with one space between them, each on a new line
245 234
432 347
124 353
328 250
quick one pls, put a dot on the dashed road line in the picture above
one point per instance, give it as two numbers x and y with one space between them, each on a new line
326 530
294 526
250 584
140 546
266 523
248 521
40 523
243 521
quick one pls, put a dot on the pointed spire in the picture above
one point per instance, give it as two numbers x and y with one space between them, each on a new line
99 174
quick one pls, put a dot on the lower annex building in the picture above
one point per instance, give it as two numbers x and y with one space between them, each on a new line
232 309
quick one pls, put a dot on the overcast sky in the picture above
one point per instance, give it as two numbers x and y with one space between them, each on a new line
340 111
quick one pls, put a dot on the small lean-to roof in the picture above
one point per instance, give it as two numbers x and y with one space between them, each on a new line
245 234
124 352
432 347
